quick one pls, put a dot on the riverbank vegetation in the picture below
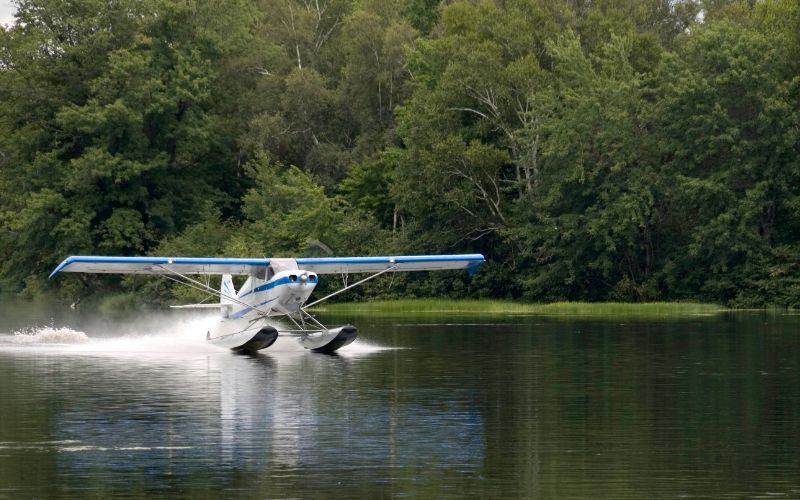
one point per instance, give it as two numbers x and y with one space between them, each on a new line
625 150
497 307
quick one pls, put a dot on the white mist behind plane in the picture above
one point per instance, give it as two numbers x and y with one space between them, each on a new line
274 287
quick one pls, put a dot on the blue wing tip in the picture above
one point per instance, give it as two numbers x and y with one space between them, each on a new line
473 268
61 266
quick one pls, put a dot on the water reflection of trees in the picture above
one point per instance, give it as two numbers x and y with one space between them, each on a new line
533 408
643 409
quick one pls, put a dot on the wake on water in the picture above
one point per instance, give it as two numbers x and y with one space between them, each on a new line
48 335
153 334
146 334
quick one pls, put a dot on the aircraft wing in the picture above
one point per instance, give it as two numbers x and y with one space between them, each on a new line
339 265
234 266
159 265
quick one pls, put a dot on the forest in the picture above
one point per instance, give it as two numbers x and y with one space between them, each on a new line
593 150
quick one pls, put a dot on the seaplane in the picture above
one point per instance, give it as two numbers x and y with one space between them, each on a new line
273 288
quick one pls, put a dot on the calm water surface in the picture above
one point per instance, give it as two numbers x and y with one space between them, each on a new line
491 407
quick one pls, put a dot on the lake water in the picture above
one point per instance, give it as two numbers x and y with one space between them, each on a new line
432 406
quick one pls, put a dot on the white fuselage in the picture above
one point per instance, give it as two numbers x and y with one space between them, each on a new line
283 293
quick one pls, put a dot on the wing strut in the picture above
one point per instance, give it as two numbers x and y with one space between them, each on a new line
197 285
348 287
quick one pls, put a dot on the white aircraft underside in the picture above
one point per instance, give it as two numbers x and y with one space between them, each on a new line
274 287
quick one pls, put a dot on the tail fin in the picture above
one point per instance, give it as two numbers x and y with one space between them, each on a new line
227 291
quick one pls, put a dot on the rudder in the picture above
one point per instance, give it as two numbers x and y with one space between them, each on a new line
227 292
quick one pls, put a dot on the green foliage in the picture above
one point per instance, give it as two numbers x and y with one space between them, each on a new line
126 148
288 214
732 161
367 186
589 221
630 150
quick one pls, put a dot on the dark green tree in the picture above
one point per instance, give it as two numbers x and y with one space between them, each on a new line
588 229
730 112
118 143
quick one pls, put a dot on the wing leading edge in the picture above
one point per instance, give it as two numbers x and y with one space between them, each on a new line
159 265
209 265
338 265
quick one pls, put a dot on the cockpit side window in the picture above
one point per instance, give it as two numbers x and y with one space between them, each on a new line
264 273
261 272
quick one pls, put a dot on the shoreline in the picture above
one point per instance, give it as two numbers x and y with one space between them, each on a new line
501 307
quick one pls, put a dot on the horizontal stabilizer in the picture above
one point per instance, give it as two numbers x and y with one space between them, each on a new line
201 306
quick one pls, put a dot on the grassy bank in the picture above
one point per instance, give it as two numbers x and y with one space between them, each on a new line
466 307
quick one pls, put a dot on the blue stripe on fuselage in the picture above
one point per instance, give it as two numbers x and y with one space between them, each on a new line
246 310
268 285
